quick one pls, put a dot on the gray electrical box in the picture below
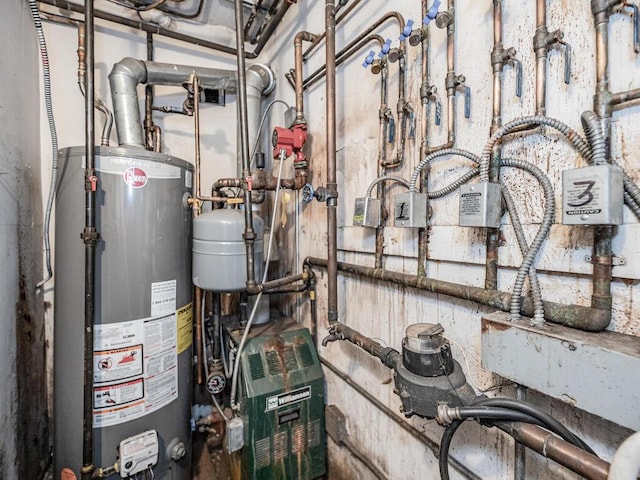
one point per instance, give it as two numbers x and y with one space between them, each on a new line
410 210
480 205
367 212
592 195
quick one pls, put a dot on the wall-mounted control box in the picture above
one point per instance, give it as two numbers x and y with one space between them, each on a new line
138 453
367 212
410 210
480 205
592 195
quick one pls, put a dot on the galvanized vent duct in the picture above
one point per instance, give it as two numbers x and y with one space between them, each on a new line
129 72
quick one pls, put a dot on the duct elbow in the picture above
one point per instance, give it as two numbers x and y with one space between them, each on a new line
261 78
129 67
123 80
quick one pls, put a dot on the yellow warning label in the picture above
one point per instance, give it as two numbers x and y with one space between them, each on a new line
184 318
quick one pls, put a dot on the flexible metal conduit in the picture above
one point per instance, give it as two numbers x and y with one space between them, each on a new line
538 308
575 316
46 80
532 251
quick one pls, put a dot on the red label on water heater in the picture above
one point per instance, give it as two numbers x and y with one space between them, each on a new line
135 177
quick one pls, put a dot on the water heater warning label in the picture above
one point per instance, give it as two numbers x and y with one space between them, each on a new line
135 368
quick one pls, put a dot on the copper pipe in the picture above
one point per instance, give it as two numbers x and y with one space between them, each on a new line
332 186
149 27
322 36
493 234
549 446
541 51
347 50
423 233
619 99
148 102
297 43
602 252
381 161
451 88
341 57
575 316
197 311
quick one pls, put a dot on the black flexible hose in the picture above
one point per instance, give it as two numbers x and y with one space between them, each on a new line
477 413
547 420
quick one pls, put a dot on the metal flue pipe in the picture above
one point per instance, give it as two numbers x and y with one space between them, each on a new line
129 72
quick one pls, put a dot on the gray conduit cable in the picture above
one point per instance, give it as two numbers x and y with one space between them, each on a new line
454 185
440 153
543 231
574 138
593 132
386 178
46 80
538 308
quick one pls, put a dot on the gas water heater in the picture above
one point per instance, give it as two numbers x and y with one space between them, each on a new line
143 326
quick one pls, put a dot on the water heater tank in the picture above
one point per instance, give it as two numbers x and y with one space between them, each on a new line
143 327
219 251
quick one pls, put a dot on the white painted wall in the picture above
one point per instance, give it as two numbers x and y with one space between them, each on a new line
456 254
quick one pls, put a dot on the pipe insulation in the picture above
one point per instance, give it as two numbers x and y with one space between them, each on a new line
626 460
129 72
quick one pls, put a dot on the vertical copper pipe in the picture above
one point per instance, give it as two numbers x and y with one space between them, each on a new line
541 57
90 238
149 132
450 82
564 453
423 233
197 310
493 234
332 186
318 38
299 76
451 68
243 124
381 168
602 252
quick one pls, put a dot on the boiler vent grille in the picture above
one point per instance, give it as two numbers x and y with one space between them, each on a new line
263 452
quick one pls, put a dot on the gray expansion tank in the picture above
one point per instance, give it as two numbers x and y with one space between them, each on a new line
143 332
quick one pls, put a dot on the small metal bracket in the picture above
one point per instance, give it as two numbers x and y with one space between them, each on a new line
616 261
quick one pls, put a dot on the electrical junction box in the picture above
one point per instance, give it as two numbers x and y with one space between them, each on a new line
367 212
281 403
411 210
138 453
480 205
592 195
235 434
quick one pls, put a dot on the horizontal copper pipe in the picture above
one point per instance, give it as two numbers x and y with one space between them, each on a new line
575 316
558 450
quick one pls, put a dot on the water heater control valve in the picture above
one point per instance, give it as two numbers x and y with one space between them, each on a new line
138 453
292 141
